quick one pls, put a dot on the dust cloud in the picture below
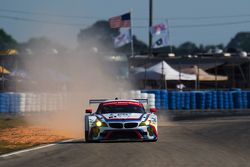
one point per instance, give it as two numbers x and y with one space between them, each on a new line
80 74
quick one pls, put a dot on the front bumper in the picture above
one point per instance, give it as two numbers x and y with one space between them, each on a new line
139 133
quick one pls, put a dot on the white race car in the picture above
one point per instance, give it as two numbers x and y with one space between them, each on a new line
120 120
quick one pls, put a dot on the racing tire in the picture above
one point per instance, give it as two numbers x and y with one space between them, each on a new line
155 140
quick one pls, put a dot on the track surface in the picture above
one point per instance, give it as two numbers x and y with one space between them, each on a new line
210 142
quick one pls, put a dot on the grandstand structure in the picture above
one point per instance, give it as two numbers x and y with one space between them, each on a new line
235 66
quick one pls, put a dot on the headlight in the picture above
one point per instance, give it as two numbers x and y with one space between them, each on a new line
99 124
145 123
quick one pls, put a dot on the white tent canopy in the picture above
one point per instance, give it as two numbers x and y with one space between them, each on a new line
165 69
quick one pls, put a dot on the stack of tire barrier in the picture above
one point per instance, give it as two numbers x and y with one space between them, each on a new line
220 100
31 102
157 94
178 100
4 102
230 100
172 100
237 99
183 100
248 99
29 106
160 99
144 96
226 99
200 100
208 100
164 99
14 102
151 100
192 100
214 100
186 100
244 99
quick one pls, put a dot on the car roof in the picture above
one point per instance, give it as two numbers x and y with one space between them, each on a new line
121 100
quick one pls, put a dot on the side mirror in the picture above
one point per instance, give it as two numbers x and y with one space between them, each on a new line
89 110
153 110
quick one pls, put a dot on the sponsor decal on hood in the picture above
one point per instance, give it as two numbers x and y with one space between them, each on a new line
123 116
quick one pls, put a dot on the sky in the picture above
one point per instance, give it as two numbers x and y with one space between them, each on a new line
200 21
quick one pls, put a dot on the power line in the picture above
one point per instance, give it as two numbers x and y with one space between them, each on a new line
47 14
136 18
139 27
211 24
209 17
202 25
41 21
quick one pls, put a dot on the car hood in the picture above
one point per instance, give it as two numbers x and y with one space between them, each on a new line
123 116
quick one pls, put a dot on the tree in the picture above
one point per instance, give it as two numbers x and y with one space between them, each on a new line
99 35
6 41
241 41
187 48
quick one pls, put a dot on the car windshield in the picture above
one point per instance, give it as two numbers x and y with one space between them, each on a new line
128 108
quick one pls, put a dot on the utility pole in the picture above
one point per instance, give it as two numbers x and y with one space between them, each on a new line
150 25
149 40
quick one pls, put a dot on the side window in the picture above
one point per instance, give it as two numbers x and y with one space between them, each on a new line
99 109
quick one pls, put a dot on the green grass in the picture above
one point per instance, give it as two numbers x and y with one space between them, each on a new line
11 121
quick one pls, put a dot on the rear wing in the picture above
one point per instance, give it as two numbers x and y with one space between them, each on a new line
97 101
142 100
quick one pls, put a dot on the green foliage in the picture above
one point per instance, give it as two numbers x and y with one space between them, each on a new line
241 41
187 48
11 121
98 35
6 41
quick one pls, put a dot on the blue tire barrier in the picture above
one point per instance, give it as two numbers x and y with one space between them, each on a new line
200 100
172 100
248 99
244 99
208 100
164 99
220 100
214 100
237 99
230 100
4 103
192 100
226 100
186 100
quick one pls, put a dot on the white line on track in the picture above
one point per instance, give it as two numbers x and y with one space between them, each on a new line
33 149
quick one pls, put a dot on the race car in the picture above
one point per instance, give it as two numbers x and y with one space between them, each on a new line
120 120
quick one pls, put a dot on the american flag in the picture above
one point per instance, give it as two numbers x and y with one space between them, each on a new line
120 21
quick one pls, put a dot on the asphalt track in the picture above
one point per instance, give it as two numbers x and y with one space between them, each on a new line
204 142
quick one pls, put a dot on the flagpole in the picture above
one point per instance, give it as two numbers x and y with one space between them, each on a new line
131 33
169 39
